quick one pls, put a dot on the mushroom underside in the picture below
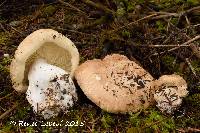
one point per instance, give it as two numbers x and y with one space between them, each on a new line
48 51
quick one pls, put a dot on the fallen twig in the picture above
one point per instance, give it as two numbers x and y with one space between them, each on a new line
190 66
8 112
189 129
167 14
2 27
134 22
182 45
192 40
188 43
99 6
7 95
195 49
73 7
3 3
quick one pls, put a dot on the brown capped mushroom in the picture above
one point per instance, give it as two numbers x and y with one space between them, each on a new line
116 84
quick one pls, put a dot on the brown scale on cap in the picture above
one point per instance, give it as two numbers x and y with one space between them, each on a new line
170 92
116 84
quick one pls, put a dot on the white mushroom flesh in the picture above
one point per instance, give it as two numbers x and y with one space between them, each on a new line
50 89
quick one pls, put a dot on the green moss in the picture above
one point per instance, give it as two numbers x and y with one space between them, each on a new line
48 11
3 38
174 21
22 112
130 6
120 12
160 25
193 2
192 119
150 120
4 65
196 65
29 129
6 128
126 33
169 63
194 100
4 69
107 120
134 119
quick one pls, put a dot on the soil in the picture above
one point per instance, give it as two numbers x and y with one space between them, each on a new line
155 33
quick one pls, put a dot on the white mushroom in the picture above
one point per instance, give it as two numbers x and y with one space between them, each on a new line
44 64
47 44
116 84
170 91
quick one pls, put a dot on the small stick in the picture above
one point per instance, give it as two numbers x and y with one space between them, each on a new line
167 14
7 95
73 7
134 22
99 6
2 27
190 65
192 9
187 20
8 112
192 40
193 47
162 16
193 129
189 129
168 46
20 33
184 44
3 3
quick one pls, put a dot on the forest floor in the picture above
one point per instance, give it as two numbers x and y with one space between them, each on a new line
163 35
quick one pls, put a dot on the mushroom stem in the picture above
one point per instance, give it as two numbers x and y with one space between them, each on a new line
50 89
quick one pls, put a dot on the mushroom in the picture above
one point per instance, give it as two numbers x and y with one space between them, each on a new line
169 93
44 63
116 84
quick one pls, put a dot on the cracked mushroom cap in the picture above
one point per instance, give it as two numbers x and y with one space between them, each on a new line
47 44
169 93
115 84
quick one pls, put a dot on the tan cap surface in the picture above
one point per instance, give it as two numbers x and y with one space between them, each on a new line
115 84
169 93
48 44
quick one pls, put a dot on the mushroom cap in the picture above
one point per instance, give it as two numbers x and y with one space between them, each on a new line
48 44
169 93
115 84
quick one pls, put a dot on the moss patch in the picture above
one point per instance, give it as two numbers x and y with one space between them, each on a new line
48 11
4 37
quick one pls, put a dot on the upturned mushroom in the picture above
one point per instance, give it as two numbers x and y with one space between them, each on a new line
43 66
170 91
116 84
119 85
